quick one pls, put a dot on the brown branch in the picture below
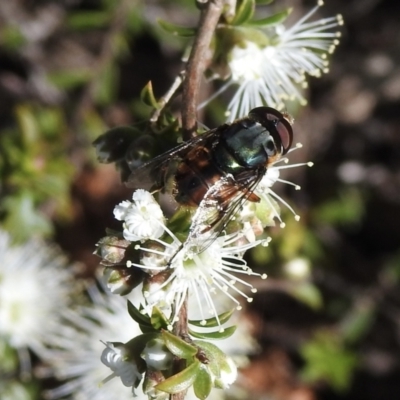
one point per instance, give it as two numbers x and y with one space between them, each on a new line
210 14
164 100
181 330
196 65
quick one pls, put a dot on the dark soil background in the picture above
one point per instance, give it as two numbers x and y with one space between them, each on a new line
349 203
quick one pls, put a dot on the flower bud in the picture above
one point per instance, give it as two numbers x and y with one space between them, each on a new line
157 355
111 249
122 280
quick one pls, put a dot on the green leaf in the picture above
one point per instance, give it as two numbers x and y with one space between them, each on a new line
20 211
177 30
147 96
244 12
180 223
177 346
348 208
88 20
28 125
263 2
358 321
203 384
214 335
182 380
11 37
137 316
307 293
50 121
106 84
69 79
216 357
158 319
213 322
271 20
8 357
12 389
327 359
146 328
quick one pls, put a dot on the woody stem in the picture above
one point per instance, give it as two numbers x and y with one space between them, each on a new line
210 14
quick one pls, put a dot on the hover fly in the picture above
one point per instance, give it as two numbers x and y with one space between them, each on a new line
216 172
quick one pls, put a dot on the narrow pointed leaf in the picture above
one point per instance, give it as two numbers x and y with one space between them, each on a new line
147 96
203 384
271 20
213 322
309 294
88 20
177 30
214 335
158 319
244 12
177 346
137 315
146 328
180 381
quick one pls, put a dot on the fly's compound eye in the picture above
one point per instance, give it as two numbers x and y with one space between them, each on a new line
283 132
270 147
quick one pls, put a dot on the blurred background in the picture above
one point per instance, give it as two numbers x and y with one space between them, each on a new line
328 319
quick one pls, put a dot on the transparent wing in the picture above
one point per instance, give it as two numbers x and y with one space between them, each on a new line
221 202
152 175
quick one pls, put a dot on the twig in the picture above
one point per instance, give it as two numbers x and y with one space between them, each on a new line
210 14
164 100
196 65
181 330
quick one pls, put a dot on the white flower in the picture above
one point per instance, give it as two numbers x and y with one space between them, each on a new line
34 286
270 178
143 218
76 349
114 356
202 275
298 269
274 73
75 356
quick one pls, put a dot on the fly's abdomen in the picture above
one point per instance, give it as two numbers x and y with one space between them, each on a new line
194 176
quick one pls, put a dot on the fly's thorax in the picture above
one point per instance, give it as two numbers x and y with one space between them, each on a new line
245 144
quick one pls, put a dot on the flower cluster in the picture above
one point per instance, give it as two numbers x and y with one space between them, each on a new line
162 256
173 270
271 66
74 357
222 186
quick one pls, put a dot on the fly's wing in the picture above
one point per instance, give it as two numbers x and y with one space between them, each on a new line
221 202
152 175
